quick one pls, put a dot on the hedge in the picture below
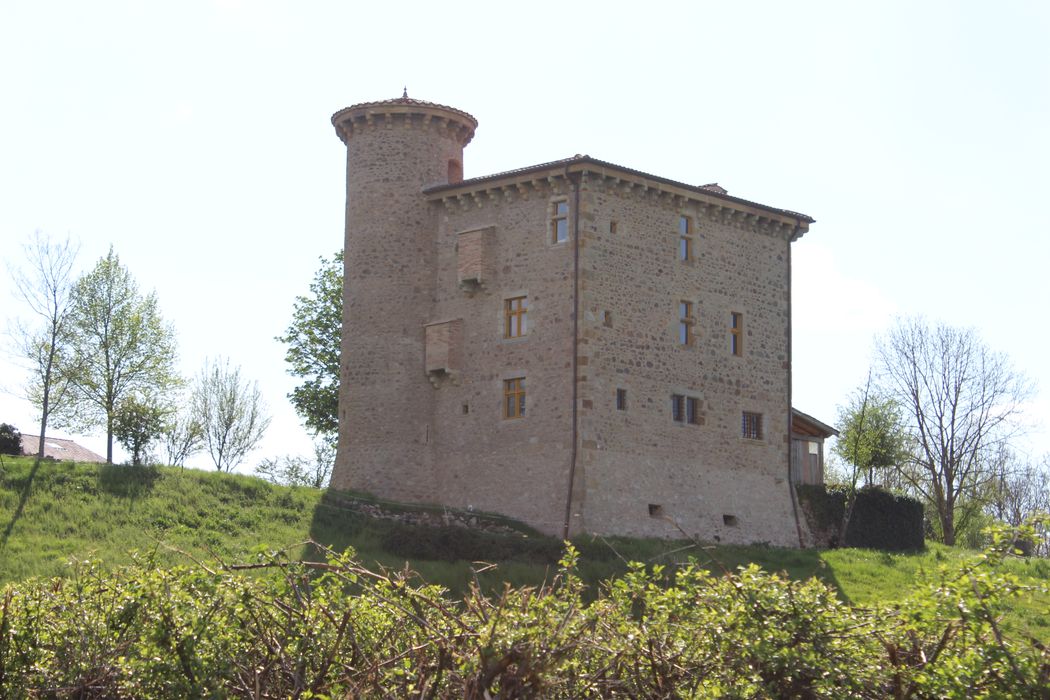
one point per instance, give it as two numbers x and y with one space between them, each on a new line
880 519
334 629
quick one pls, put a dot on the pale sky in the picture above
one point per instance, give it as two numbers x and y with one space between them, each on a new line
194 137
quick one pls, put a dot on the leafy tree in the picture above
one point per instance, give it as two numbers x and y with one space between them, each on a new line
10 440
183 436
137 424
871 437
962 404
313 339
231 413
120 345
45 284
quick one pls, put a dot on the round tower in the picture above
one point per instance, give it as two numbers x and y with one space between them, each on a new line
394 149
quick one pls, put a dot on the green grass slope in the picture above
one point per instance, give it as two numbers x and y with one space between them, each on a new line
51 513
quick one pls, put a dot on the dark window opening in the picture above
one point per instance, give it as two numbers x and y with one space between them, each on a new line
692 410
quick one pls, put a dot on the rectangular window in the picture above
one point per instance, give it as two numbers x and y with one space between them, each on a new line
751 426
612 227
685 323
514 397
515 310
685 409
685 240
736 334
621 399
560 222
685 248
692 410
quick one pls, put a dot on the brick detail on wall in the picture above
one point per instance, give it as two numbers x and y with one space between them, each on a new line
444 349
474 257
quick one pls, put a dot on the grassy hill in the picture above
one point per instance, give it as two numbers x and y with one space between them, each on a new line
51 513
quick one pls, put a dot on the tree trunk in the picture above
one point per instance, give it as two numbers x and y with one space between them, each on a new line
43 425
45 403
948 526
948 522
109 439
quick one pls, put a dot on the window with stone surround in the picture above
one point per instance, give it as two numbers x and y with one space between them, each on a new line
560 221
736 333
685 409
514 397
685 238
515 312
685 323
751 426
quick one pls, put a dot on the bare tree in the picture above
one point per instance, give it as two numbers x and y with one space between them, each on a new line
183 436
962 402
301 471
1019 490
45 284
231 413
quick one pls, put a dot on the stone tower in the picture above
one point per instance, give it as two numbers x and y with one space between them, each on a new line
394 149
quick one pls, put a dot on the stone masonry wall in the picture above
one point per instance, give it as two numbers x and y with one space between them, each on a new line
704 479
385 404
425 354
516 466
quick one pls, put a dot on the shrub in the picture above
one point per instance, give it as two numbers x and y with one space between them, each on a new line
336 629
10 440
880 519
823 509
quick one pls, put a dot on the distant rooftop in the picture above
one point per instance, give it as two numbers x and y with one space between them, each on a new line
59 449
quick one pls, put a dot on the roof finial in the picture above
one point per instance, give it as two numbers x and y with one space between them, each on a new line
404 95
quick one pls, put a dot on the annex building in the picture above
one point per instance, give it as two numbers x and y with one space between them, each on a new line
575 344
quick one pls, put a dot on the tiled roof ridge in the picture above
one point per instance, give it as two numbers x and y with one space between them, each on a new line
408 102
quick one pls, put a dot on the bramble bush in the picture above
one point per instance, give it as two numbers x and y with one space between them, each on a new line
280 628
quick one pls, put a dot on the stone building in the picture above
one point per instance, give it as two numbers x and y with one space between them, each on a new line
576 344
